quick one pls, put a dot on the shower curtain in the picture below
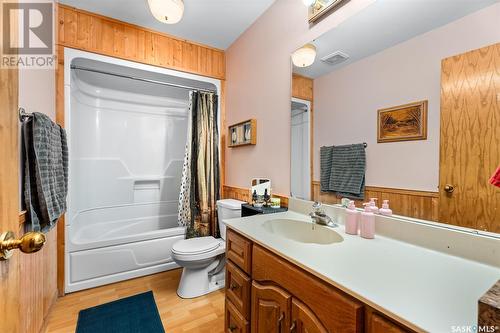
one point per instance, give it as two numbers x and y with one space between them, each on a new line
200 186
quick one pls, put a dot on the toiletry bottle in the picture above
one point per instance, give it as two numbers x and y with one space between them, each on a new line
267 198
373 205
367 224
385 210
351 221
254 197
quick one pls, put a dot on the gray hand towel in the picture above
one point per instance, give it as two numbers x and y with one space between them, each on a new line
343 170
46 171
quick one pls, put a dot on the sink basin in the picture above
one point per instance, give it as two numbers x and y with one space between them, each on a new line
302 232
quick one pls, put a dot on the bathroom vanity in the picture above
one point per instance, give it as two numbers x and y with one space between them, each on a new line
285 274
268 293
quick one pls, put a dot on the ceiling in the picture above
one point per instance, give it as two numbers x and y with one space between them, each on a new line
216 23
383 24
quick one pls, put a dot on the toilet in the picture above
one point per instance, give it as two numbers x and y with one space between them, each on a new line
203 258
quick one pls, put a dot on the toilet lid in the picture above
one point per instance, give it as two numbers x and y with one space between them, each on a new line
196 245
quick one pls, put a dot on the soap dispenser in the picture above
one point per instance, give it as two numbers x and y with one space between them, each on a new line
373 205
367 225
385 210
351 222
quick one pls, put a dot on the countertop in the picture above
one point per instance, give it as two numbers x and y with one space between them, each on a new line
425 289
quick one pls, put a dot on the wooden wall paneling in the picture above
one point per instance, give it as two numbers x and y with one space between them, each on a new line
470 139
302 87
95 33
60 120
416 204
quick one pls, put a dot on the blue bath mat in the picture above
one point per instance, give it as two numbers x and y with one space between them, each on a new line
134 314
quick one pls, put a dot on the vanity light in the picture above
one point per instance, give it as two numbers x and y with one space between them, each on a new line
167 11
308 3
304 56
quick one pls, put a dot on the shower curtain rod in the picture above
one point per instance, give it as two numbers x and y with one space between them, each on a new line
143 79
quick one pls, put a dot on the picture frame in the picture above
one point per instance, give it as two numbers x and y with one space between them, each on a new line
405 122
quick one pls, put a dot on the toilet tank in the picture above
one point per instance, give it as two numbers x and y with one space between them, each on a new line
227 209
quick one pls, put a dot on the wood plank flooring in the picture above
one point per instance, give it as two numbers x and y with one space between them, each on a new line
203 314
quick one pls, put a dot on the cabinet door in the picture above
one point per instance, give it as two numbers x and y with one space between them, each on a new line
270 309
304 320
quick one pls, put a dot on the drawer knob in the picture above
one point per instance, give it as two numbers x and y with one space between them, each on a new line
232 328
233 286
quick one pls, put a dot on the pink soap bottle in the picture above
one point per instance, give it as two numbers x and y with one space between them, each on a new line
367 224
373 205
385 210
351 222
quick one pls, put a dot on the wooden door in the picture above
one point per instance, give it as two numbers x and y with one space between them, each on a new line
270 309
9 195
304 320
470 139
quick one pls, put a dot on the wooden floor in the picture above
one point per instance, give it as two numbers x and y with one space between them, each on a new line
202 314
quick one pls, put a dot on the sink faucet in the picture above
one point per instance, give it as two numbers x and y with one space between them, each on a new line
319 216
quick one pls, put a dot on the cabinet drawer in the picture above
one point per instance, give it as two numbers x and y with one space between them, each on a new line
239 250
379 324
234 321
238 289
336 311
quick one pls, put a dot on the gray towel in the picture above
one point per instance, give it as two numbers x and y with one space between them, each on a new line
46 171
343 170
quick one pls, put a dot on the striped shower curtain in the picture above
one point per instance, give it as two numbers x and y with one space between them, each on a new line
200 186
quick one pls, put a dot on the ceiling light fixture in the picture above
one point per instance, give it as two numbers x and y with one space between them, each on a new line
304 56
167 11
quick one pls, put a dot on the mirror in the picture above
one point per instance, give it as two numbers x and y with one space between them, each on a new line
415 81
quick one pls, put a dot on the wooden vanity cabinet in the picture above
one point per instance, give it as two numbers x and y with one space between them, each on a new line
266 293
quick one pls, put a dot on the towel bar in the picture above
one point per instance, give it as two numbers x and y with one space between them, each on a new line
23 115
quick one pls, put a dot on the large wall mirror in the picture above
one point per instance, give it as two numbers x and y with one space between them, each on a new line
403 98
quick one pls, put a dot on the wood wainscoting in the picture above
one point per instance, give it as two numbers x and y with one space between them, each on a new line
87 31
243 194
417 204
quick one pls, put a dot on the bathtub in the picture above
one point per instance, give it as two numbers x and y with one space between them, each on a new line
126 142
116 243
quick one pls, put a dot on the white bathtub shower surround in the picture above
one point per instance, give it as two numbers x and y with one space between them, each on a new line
126 147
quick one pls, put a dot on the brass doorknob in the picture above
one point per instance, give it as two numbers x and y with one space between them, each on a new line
449 188
30 242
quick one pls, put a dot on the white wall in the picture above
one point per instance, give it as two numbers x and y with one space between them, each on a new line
347 100
37 93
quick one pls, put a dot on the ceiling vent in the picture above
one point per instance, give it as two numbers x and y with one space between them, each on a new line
335 58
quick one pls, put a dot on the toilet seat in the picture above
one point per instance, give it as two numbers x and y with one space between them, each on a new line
196 245
198 248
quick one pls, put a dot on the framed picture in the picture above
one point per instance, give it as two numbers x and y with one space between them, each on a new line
402 123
